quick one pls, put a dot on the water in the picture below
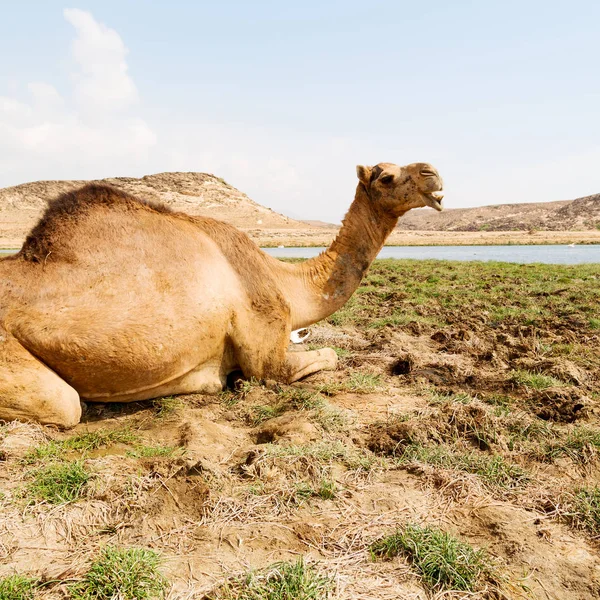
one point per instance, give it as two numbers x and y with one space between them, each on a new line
549 254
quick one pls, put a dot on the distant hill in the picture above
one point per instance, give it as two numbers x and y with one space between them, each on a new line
208 195
193 193
582 214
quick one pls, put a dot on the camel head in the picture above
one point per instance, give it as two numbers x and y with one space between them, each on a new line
398 189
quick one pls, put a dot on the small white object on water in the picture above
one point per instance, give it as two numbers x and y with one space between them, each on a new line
299 335
281 246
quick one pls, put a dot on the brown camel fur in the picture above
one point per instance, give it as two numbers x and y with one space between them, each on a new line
113 299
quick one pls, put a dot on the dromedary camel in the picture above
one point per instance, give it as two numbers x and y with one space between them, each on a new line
113 299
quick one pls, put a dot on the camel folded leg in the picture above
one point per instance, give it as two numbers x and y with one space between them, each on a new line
29 391
261 339
271 360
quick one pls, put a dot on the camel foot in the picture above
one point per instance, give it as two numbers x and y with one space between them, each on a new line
302 364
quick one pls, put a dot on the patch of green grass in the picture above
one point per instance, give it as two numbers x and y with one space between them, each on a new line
93 440
123 574
327 490
594 323
302 491
83 442
357 383
264 412
280 581
493 470
49 451
581 444
325 452
585 510
155 451
428 293
341 352
229 398
536 381
167 406
301 398
241 389
58 483
443 561
17 587
524 430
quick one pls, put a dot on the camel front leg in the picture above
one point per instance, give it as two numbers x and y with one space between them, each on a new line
301 364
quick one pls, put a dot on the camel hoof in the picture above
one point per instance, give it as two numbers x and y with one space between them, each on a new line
330 357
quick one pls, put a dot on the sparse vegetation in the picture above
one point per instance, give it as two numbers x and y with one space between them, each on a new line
585 510
357 383
281 581
495 471
123 573
581 444
326 452
167 407
469 393
17 587
537 381
81 443
443 561
58 483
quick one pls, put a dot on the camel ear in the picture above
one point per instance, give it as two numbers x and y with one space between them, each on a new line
364 174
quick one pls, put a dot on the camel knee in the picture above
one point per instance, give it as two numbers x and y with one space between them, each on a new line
60 407
69 413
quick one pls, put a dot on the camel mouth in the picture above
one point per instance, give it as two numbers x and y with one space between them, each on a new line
434 199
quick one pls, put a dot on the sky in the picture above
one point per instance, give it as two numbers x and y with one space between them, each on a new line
284 99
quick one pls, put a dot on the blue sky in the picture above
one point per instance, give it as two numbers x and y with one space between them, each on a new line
284 99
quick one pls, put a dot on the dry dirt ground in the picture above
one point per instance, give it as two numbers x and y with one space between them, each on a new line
467 399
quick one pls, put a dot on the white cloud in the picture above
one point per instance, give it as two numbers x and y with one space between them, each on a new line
91 131
102 82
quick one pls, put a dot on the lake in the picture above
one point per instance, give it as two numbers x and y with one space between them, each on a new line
550 254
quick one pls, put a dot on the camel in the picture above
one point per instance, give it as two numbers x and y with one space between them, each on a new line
116 299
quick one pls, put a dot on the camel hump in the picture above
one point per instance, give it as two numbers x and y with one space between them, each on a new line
63 212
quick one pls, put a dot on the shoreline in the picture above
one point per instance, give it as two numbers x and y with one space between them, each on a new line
324 237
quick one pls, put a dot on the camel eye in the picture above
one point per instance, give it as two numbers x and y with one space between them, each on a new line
428 173
386 179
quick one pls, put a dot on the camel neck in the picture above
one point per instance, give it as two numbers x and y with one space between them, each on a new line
328 280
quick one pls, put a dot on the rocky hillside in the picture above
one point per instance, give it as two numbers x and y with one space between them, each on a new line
193 193
582 214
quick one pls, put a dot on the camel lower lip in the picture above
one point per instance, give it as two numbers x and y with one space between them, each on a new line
434 202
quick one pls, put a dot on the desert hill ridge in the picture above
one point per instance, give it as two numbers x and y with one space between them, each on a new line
194 193
581 214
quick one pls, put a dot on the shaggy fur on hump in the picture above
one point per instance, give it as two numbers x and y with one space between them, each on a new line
71 205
